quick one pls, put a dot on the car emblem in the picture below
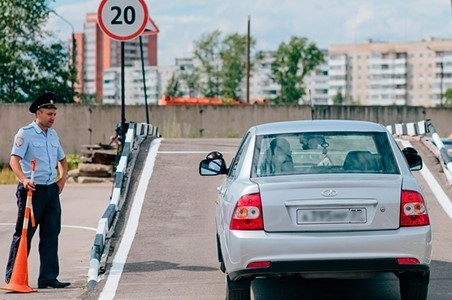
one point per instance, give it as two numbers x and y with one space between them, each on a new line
329 193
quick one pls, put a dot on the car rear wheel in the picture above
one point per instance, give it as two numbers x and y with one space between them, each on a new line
238 290
414 286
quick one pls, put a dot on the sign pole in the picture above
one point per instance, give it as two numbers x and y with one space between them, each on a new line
124 21
123 96
144 82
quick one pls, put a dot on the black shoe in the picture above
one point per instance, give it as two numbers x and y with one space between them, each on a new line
54 284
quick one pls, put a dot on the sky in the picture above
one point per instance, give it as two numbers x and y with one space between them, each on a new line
323 22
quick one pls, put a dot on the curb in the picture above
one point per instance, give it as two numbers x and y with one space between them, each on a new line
136 133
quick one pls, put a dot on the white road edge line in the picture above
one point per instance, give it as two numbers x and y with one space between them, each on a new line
120 259
436 188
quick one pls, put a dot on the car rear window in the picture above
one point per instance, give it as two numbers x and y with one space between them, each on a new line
323 152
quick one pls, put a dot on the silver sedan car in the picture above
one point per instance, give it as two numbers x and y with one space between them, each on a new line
321 199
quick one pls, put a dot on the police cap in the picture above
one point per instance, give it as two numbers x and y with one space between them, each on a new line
46 100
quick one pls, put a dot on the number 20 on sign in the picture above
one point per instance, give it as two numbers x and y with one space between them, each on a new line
122 20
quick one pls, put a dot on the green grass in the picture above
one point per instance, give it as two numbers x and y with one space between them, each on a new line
72 161
7 176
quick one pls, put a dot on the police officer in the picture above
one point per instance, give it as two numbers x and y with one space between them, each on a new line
40 142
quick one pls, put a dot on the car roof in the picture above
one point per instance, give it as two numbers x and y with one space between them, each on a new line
318 125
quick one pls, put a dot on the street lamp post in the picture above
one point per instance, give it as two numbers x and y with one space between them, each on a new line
73 52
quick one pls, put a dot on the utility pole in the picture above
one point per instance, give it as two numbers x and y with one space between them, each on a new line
248 62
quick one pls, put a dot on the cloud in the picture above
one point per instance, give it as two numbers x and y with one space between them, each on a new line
68 16
353 25
327 22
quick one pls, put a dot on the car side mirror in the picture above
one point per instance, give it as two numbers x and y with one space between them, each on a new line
414 160
213 165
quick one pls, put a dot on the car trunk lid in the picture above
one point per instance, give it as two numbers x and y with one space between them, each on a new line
330 202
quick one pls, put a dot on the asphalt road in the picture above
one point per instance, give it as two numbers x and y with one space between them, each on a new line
173 254
82 207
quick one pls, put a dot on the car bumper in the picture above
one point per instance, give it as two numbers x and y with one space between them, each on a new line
329 266
325 252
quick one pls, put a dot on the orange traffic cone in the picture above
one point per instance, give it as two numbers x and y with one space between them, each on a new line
19 277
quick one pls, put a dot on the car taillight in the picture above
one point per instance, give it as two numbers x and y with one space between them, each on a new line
259 264
247 214
407 261
412 210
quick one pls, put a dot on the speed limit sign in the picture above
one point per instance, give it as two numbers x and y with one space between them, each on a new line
122 20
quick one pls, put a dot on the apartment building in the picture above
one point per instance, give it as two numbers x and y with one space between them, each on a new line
381 73
261 84
372 73
96 52
133 82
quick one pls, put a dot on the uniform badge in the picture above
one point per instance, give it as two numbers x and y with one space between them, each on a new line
19 141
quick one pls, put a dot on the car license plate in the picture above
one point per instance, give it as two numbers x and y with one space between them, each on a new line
331 216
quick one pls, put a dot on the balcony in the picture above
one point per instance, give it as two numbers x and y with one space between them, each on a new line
337 72
388 61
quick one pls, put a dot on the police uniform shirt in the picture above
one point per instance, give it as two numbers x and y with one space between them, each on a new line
31 143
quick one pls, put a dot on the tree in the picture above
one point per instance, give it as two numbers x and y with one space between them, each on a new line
190 80
31 60
338 98
233 56
220 64
173 89
206 54
448 98
293 61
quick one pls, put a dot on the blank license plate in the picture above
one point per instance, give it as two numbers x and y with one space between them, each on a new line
331 216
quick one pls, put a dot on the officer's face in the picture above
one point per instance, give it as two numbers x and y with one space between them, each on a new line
45 117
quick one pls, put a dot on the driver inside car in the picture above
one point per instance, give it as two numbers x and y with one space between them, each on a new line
278 158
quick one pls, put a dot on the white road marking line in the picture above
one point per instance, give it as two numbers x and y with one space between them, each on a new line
64 226
120 259
436 188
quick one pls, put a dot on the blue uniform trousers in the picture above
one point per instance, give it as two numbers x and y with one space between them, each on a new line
47 214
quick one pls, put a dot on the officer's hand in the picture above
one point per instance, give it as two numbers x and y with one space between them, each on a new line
61 184
29 185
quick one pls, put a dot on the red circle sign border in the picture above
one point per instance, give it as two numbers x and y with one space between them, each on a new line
117 37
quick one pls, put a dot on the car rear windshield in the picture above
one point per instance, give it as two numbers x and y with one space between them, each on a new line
323 152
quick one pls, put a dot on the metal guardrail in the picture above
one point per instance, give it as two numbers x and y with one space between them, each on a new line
411 129
421 128
442 151
136 133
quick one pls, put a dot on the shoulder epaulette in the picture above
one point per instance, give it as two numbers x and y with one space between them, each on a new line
27 127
